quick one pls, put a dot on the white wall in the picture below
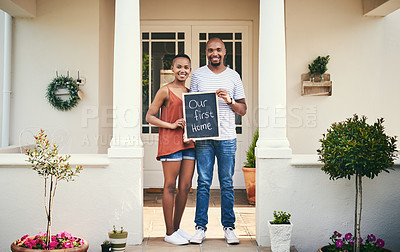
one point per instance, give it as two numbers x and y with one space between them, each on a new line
64 36
107 192
320 206
364 54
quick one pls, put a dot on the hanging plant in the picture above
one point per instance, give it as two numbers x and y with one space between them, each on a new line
65 82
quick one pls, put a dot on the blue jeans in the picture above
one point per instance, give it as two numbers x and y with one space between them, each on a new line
206 151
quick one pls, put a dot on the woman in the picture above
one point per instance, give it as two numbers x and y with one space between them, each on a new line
177 156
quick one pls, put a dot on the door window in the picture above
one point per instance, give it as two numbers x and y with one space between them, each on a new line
158 49
233 58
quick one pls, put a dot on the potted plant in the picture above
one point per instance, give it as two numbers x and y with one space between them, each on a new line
249 171
346 243
354 147
280 232
318 66
106 246
118 239
53 168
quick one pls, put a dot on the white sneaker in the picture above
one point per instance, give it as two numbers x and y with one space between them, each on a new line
230 236
199 236
176 239
184 234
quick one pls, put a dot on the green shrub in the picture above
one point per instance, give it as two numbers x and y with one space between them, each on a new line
250 154
319 65
281 218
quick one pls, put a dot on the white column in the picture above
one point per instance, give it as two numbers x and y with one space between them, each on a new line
5 129
272 152
127 94
272 141
126 151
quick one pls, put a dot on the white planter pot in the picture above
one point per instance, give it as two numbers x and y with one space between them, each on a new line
280 235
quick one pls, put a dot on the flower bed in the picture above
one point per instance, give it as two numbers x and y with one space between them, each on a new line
62 240
346 243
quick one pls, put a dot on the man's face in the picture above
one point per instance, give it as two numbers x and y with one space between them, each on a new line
215 52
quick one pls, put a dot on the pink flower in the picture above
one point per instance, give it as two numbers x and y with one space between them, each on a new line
336 233
339 243
371 237
53 244
348 236
24 237
380 243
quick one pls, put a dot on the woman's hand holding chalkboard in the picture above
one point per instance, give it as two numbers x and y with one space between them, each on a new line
178 123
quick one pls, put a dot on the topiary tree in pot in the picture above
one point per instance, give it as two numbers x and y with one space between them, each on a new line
356 148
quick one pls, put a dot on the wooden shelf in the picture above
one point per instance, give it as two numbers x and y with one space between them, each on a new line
316 87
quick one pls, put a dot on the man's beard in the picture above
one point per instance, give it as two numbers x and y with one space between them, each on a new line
215 64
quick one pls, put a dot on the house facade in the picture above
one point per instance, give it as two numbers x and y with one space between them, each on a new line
122 49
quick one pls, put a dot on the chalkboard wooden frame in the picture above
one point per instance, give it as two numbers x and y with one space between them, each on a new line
185 97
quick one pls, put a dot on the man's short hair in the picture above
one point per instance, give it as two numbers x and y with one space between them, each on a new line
215 38
181 55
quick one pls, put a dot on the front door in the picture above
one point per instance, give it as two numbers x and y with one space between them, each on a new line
159 45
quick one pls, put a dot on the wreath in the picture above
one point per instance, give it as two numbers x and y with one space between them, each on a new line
67 83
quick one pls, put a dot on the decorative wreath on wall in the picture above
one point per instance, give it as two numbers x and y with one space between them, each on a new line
65 82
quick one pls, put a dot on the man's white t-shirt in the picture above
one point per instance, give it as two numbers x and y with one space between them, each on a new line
204 80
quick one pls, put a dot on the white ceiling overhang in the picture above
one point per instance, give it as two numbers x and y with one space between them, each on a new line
380 8
19 8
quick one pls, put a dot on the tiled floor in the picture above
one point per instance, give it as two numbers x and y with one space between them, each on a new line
154 229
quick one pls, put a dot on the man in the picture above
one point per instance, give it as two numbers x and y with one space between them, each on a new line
229 88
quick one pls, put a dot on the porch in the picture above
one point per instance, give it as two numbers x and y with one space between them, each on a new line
154 228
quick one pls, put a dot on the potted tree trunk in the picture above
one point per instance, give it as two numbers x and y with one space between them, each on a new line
280 232
249 171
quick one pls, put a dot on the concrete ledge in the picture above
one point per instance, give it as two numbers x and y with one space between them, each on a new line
273 153
311 161
127 152
87 160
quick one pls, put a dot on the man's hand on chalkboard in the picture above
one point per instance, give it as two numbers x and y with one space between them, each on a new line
224 95
178 123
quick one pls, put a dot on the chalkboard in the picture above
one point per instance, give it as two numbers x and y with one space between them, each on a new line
201 115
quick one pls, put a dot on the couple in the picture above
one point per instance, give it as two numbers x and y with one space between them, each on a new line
178 155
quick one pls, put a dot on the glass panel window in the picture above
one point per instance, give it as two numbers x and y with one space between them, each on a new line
202 53
238 36
145 80
181 47
238 57
181 35
163 35
158 51
223 36
233 58
202 36
229 55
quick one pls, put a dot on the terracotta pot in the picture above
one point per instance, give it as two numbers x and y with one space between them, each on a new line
82 248
323 249
250 180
